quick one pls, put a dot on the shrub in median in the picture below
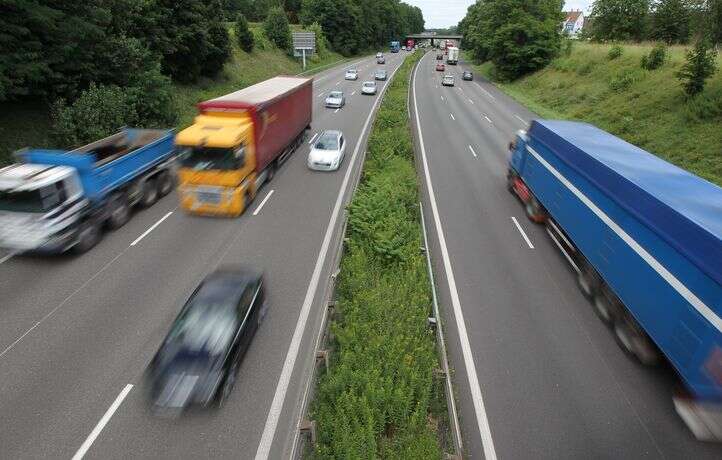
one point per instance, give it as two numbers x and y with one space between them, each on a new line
374 402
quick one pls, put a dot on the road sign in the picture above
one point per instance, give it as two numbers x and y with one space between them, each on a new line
304 43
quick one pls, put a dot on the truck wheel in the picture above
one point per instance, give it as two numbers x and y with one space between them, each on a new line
165 183
271 172
88 236
588 280
534 210
635 343
150 193
510 183
118 212
604 308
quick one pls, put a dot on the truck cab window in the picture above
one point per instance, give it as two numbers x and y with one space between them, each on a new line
213 158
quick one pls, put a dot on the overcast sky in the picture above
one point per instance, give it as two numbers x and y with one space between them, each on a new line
445 13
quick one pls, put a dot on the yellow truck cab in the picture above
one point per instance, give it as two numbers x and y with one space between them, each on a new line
237 143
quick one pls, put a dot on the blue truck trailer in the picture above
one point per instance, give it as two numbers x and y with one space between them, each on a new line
645 240
395 46
55 200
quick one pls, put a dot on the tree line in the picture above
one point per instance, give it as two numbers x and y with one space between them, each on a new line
669 21
352 27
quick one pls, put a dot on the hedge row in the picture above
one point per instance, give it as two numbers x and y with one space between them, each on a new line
374 401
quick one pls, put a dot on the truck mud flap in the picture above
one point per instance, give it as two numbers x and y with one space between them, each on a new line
703 419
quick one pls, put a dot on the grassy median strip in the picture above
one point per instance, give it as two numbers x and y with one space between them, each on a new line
376 399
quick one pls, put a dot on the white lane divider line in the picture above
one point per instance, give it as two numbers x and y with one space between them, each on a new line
523 233
313 138
353 93
471 102
7 257
487 93
520 118
476 396
321 95
101 424
336 111
160 221
442 98
258 209
488 119
452 116
284 380
338 83
472 151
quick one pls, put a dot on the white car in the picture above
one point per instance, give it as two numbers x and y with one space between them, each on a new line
327 152
379 55
368 87
335 100
448 80
351 74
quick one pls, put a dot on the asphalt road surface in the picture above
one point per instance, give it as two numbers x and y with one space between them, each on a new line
76 333
548 380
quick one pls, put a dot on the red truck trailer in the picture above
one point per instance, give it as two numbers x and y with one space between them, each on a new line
237 142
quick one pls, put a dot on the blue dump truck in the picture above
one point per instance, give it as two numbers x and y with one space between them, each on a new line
54 200
395 47
645 240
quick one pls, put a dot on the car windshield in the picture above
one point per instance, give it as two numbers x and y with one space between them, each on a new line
327 141
39 200
368 84
352 71
207 326
335 95
211 158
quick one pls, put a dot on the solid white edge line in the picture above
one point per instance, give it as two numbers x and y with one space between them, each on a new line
472 151
7 257
258 209
520 118
269 430
452 116
312 139
672 280
101 424
523 233
160 221
487 93
476 396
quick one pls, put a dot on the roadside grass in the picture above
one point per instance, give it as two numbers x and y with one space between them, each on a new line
28 124
646 108
376 399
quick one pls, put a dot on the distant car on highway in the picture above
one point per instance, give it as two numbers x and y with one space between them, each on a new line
440 67
439 57
351 74
381 60
403 48
380 75
379 55
467 75
335 100
448 80
198 361
328 152
368 87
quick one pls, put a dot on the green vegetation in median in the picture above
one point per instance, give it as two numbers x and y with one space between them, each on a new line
376 399
647 108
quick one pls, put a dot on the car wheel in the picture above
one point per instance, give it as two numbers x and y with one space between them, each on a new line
228 383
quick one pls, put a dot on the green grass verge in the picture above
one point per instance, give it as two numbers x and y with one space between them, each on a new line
646 108
375 400
28 124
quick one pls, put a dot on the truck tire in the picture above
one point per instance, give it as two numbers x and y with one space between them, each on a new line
271 172
606 309
635 343
165 183
588 280
149 194
534 210
118 212
88 236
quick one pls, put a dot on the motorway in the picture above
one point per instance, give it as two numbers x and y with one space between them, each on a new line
537 375
76 333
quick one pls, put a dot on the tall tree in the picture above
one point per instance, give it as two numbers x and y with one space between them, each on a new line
619 19
670 21
244 36
277 29
701 64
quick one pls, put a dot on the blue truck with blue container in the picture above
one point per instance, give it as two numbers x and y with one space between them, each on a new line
55 200
395 46
645 240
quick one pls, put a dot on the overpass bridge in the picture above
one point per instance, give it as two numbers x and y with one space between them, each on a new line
418 37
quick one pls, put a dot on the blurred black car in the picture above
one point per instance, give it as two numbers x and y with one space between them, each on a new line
439 57
467 75
198 361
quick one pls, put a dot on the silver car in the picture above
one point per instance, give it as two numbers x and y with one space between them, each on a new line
335 100
368 87
380 75
328 152
351 74
448 80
